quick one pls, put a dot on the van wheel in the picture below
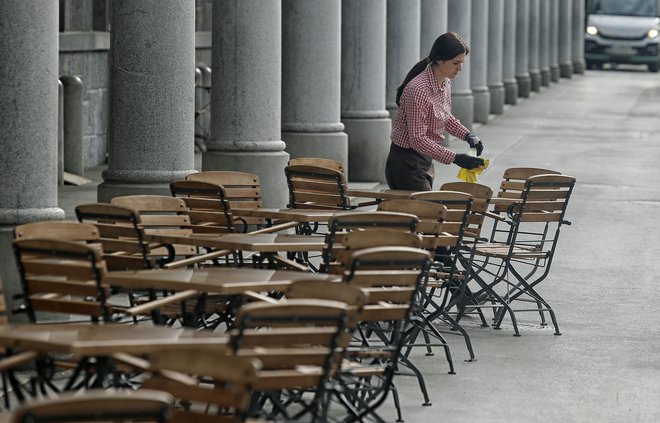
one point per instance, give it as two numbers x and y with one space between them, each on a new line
653 67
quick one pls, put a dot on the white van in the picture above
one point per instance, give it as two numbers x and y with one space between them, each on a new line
622 31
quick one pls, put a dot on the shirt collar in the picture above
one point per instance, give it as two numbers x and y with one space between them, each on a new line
433 82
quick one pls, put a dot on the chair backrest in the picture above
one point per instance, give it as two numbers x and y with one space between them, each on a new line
342 223
64 230
481 196
98 405
431 217
208 207
513 182
296 341
317 161
121 233
63 277
241 190
160 214
214 388
317 184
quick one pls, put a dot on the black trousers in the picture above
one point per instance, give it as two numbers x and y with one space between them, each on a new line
407 169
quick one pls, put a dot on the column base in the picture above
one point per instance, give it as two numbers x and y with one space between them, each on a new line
481 105
545 77
497 94
19 216
269 166
524 85
368 147
463 108
108 190
554 73
566 70
579 67
511 92
327 145
535 78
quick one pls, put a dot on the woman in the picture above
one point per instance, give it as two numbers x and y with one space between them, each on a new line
424 100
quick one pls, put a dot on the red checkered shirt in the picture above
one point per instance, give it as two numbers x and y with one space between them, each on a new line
424 114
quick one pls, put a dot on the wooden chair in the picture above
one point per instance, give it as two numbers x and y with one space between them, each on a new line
296 342
392 278
520 251
513 183
99 405
316 183
481 197
211 388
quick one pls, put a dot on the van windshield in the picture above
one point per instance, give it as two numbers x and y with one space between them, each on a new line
624 8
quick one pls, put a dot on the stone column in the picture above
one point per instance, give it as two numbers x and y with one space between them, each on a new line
495 55
28 124
509 52
433 24
565 38
479 60
522 48
534 45
459 17
363 111
403 38
246 94
152 90
311 79
554 40
579 64
544 42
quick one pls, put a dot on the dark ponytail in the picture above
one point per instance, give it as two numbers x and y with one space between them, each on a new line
446 47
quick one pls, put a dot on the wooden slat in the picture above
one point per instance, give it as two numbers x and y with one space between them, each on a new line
91 308
37 285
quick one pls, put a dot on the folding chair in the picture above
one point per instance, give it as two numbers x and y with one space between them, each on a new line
210 387
521 248
99 405
317 184
296 342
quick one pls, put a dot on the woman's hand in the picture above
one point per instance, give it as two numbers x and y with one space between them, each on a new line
475 142
468 162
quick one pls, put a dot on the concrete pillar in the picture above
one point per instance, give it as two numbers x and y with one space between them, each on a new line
565 38
151 130
60 133
509 52
544 42
28 124
403 38
554 40
311 80
246 94
459 18
363 111
534 45
74 156
433 23
522 48
495 55
479 60
579 64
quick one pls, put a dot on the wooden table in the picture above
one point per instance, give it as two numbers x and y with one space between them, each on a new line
264 243
289 215
219 280
388 194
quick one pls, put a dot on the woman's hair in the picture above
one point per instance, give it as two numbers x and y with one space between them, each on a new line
446 47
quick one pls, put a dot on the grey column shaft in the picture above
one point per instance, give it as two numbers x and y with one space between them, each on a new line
554 40
579 64
534 44
509 52
363 111
495 55
522 48
311 79
544 42
74 157
246 94
459 18
479 60
403 38
433 23
565 38
151 130
28 125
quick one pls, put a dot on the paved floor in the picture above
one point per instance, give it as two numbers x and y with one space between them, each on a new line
603 129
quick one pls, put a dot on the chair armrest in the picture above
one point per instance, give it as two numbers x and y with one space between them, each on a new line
156 304
275 228
17 359
196 259
259 297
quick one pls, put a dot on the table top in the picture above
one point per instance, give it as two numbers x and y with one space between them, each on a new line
89 339
265 242
220 280
293 215
388 194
